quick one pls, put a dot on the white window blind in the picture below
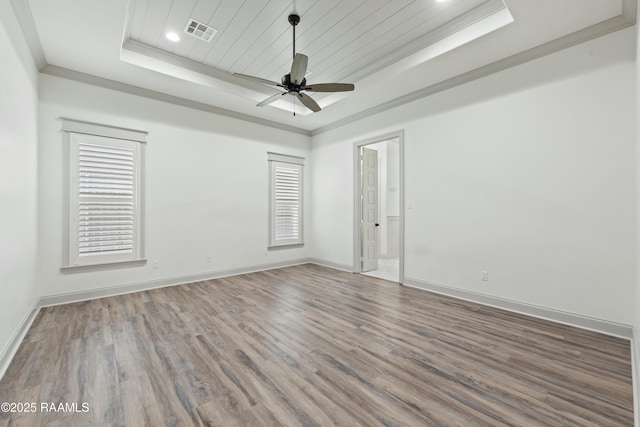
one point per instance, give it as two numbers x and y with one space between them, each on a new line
105 200
285 200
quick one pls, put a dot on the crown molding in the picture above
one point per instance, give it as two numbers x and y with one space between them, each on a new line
23 14
215 76
626 19
90 79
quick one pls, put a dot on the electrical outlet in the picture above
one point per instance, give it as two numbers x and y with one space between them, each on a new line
154 264
484 276
207 259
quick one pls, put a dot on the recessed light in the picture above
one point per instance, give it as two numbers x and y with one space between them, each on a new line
173 37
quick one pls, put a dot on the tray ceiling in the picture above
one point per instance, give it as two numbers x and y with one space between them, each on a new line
344 39
393 50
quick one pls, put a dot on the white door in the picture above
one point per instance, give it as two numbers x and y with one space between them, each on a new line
369 217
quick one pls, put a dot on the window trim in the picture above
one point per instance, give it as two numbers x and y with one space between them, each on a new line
70 127
273 159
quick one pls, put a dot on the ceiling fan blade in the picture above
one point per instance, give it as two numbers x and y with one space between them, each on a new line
298 68
258 79
271 99
330 87
308 102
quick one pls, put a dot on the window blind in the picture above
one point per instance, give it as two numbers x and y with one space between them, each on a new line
288 202
106 200
285 200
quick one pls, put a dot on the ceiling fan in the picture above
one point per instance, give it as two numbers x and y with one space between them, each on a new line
295 82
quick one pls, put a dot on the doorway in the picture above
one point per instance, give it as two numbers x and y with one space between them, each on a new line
378 212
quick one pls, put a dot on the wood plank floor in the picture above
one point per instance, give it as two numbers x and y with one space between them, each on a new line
309 346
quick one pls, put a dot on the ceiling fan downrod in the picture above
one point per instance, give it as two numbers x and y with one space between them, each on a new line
294 20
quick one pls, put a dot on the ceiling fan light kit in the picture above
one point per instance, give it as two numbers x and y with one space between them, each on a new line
295 82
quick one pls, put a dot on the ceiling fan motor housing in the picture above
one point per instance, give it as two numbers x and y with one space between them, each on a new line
289 85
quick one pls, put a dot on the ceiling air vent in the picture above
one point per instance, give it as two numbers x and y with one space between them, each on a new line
199 30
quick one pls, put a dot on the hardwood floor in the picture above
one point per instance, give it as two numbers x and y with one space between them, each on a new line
309 345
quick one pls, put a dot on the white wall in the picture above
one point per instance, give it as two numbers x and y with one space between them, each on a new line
636 329
18 177
528 174
206 187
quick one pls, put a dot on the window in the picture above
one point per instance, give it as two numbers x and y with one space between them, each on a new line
285 201
105 203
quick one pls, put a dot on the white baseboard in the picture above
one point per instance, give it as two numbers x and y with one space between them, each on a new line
583 322
70 297
330 264
10 349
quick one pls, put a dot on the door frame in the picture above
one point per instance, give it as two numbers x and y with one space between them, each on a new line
357 205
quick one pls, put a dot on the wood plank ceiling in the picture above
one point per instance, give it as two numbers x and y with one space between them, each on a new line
345 40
